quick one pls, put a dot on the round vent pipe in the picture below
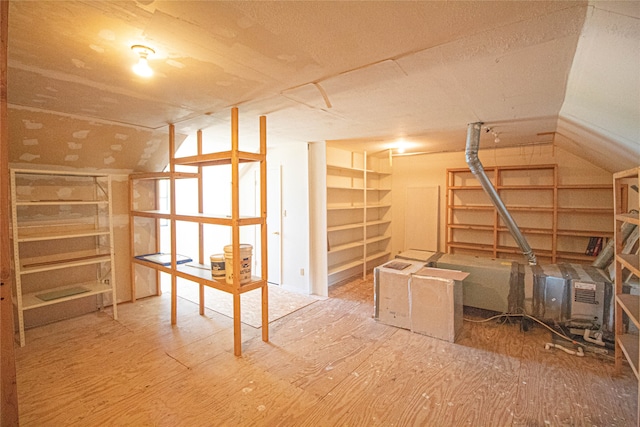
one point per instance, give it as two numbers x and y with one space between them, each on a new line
471 155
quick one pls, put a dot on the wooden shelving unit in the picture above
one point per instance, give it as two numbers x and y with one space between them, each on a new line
557 220
199 271
358 213
62 235
627 306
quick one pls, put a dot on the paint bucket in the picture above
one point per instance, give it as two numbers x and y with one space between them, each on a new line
217 266
245 263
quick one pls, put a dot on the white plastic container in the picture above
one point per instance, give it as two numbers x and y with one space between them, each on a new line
217 266
245 263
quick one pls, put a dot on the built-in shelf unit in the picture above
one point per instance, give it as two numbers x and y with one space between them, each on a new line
559 221
358 213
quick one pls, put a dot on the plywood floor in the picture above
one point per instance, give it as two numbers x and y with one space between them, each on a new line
328 364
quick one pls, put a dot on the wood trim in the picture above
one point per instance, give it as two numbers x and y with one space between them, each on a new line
8 384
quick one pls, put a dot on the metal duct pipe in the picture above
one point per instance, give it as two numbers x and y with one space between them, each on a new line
471 154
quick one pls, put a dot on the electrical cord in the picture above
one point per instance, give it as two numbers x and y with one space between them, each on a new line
498 316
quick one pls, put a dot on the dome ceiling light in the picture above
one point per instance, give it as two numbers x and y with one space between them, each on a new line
142 67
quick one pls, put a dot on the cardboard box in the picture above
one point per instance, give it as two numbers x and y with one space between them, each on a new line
435 300
391 292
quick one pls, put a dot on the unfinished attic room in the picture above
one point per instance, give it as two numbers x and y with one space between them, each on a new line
320 213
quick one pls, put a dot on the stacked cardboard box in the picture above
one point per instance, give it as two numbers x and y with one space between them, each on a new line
424 300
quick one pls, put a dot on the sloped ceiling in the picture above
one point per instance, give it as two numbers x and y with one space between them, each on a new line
357 73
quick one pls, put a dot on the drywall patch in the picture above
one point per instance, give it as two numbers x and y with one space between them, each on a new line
78 63
121 136
30 141
81 134
71 157
109 160
28 124
97 48
28 157
116 147
74 145
51 89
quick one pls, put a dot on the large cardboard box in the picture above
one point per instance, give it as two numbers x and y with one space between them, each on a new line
422 299
435 299
391 292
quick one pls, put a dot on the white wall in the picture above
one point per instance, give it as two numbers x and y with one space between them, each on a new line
293 157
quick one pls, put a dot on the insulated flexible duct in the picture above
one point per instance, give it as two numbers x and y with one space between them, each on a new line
471 154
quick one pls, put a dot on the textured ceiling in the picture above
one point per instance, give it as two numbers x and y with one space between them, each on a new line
360 73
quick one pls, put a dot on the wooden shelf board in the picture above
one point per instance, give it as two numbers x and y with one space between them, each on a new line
580 233
59 173
478 227
377 255
345 247
30 300
161 214
377 239
205 218
346 168
585 187
528 230
630 262
37 265
219 158
345 266
33 235
149 176
585 210
201 273
633 218
469 187
345 207
345 188
525 187
345 227
631 305
378 222
629 345
61 202
472 207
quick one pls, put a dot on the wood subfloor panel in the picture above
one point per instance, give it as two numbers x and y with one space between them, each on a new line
327 364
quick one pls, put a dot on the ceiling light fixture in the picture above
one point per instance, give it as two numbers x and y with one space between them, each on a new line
142 66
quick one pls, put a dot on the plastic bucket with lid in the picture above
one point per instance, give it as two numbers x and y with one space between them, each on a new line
217 266
245 263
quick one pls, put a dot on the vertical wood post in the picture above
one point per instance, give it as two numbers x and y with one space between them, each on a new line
8 385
